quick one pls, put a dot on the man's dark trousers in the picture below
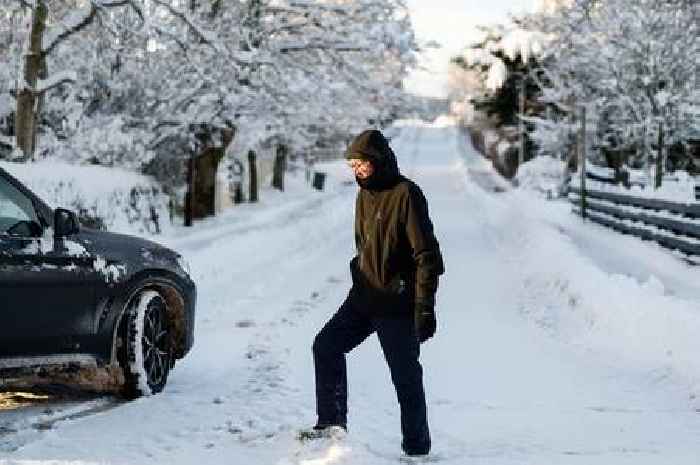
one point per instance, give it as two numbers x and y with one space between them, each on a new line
397 336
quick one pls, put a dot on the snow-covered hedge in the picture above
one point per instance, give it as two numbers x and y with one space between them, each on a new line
107 198
544 175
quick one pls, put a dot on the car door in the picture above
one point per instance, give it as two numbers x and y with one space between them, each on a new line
47 290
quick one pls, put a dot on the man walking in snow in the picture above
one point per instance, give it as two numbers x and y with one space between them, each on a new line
395 278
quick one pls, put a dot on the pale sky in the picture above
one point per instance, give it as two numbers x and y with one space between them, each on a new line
452 24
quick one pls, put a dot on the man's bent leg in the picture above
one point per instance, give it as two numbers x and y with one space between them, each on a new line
402 350
343 332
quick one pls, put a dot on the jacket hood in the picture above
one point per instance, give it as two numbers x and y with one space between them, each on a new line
372 145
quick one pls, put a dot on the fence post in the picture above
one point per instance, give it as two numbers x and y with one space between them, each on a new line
660 158
582 159
521 151
646 156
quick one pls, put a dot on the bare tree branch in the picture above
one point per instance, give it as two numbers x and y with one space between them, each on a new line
87 19
184 17
80 25
338 46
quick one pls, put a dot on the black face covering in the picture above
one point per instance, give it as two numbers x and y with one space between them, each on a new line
372 182
364 183
381 179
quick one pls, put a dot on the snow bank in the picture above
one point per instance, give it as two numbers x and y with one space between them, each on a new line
628 309
111 198
543 175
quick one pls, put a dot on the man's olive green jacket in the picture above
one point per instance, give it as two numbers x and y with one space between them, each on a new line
398 258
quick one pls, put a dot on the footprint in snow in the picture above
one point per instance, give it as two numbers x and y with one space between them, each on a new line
288 322
301 307
255 352
245 324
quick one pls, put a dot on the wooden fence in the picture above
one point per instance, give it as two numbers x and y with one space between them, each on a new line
671 224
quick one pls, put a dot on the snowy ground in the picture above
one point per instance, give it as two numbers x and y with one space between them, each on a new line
559 342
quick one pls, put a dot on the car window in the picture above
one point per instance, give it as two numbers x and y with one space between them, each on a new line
14 206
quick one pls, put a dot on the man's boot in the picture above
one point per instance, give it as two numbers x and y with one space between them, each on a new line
335 432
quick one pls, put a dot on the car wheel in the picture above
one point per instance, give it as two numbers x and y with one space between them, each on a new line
148 345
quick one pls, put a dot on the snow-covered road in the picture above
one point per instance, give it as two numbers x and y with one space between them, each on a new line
558 342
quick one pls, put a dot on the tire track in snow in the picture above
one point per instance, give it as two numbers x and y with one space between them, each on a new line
289 213
29 422
257 402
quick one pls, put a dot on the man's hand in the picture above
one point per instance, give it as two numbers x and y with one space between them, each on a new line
425 321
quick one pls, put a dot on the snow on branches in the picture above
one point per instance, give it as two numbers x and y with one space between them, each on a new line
632 63
152 68
513 42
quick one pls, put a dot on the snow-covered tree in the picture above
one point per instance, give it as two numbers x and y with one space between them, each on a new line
492 88
633 64
37 30
502 60
144 72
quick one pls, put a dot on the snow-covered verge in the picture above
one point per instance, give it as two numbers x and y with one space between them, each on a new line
612 294
111 198
644 309
601 290
559 342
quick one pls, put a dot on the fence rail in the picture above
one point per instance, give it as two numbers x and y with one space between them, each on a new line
672 225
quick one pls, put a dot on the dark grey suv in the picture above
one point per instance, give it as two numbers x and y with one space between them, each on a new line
73 298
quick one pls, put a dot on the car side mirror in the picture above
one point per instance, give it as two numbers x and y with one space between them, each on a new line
65 223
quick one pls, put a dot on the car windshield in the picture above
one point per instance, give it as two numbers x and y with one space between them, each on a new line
14 206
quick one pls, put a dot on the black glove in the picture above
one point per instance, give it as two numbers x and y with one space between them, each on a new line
425 321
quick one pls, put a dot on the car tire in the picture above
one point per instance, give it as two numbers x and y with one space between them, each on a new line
148 347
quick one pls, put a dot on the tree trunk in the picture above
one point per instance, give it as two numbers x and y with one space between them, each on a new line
205 173
27 103
521 124
206 167
253 173
582 159
279 167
